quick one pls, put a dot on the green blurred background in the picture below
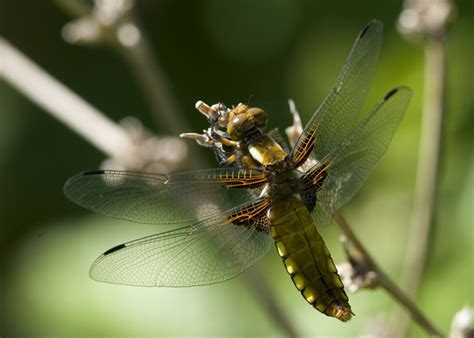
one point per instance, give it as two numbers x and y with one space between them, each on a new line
221 51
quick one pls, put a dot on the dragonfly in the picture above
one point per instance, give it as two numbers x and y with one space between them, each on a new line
262 195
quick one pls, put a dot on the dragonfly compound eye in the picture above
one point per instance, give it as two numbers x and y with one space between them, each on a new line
258 116
242 119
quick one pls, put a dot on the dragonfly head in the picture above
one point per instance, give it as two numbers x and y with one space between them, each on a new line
244 118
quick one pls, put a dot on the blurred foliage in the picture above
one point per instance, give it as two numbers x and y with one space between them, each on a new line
224 51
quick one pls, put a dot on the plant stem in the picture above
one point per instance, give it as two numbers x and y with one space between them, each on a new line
155 87
384 281
427 179
149 74
62 103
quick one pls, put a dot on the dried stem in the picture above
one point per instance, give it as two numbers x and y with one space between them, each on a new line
427 178
155 87
385 282
61 102
125 149
431 19
144 65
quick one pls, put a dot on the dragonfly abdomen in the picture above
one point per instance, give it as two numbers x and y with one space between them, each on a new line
307 259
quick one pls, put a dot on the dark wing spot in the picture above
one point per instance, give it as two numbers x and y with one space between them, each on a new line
115 248
390 94
366 28
95 172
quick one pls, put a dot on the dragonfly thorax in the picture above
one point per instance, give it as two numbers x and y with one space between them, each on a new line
283 180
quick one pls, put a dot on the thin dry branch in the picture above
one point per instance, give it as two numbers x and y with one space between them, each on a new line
386 282
427 179
426 19
55 98
125 149
122 31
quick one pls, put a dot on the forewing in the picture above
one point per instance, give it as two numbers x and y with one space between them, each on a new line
157 198
335 118
207 252
355 159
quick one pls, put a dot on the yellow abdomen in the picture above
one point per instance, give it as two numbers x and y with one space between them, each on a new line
307 259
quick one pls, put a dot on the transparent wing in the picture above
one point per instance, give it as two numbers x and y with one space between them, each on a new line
156 198
336 116
355 159
207 252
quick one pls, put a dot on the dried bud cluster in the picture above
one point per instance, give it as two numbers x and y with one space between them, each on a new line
149 153
425 17
356 273
463 324
107 19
